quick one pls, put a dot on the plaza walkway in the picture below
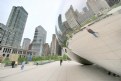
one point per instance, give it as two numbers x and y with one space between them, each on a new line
69 71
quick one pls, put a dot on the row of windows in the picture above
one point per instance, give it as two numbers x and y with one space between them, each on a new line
6 50
7 55
15 51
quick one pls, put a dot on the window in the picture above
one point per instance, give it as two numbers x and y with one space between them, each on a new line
0 48
4 50
7 55
3 55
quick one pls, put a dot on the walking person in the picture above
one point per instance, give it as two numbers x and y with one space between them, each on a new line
37 63
13 64
22 65
92 32
61 62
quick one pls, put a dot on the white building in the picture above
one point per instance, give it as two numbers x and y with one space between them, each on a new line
98 6
6 51
26 43
39 40
71 18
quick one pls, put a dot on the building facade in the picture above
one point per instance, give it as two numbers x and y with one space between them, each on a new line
26 43
3 30
7 51
16 24
39 40
46 49
98 6
71 18
112 2
55 47
85 15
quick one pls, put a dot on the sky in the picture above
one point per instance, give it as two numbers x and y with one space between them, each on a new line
40 12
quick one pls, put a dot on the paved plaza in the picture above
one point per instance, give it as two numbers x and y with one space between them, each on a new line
69 71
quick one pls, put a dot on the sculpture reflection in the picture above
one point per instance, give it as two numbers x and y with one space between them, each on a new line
76 15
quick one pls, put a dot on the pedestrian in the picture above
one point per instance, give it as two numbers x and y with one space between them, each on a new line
61 62
22 65
92 32
13 64
37 63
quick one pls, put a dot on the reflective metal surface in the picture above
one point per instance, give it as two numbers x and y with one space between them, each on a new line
91 32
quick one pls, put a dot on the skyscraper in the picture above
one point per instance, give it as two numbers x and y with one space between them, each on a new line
71 18
16 24
98 6
39 40
3 30
112 2
55 47
26 43
46 49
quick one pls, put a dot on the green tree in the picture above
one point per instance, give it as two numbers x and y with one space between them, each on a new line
21 59
7 61
65 57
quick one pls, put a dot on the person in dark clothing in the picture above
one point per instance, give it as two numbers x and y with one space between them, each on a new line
92 32
61 62
13 63
37 63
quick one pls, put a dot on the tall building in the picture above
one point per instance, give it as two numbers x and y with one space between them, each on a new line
98 6
55 47
71 18
62 31
3 30
59 36
46 49
26 43
61 27
85 15
90 12
85 9
64 27
16 24
81 17
39 40
112 2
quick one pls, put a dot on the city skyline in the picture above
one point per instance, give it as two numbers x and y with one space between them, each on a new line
37 15
44 14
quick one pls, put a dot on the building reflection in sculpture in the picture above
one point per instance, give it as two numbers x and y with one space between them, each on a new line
76 13
94 14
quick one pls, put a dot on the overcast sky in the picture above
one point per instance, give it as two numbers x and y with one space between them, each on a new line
40 12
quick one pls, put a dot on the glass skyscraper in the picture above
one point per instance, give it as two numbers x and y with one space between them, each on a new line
16 24
39 40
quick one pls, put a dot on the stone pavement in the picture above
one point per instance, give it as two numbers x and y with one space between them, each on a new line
69 71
